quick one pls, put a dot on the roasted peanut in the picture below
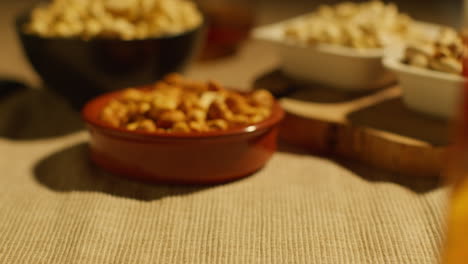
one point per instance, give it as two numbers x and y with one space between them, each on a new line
214 86
124 19
168 118
148 125
196 86
177 105
109 116
132 126
198 126
196 115
181 127
219 110
144 107
207 98
239 119
144 125
218 124
445 53
356 25
238 105
165 102
256 118
174 79
261 98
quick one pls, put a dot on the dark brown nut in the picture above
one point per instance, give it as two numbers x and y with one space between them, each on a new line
261 98
233 101
154 113
168 118
214 86
219 110
442 52
238 104
187 106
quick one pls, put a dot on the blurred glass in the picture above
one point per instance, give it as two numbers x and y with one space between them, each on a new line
229 25
456 250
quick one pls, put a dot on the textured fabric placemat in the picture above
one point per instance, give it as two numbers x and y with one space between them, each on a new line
56 207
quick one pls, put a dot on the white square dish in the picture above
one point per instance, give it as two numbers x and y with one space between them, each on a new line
338 67
428 91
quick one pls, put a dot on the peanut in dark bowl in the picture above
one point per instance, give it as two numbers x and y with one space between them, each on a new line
180 158
80 69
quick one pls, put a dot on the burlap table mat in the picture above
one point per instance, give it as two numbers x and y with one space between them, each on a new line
56 207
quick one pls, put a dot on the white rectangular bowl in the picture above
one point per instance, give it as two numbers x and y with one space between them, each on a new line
428 91
338 67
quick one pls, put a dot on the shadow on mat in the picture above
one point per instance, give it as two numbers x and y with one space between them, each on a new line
28 114
71 170
394 117
368 173
281 85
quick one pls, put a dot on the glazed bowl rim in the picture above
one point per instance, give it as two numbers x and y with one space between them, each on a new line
91 110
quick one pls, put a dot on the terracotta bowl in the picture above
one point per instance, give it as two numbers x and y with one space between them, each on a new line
180 158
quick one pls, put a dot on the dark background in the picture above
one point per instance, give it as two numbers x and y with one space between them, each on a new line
440 11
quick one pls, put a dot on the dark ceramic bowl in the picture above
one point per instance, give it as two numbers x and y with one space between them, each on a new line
180 158
80 69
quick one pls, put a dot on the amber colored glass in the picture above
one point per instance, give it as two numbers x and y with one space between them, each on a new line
229 25
456 249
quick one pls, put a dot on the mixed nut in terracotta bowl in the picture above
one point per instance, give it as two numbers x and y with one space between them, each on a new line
183 131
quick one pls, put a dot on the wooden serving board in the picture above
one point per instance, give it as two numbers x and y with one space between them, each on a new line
373 127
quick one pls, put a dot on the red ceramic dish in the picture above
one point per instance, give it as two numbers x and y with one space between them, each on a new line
180 158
